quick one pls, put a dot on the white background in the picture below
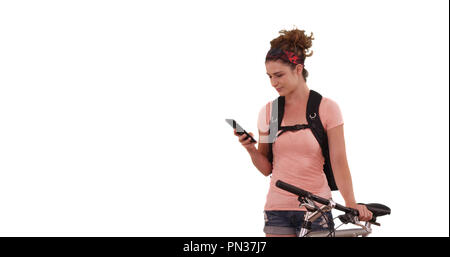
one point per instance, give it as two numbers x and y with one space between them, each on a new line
112 112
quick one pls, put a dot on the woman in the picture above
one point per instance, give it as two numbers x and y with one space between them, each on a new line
297 156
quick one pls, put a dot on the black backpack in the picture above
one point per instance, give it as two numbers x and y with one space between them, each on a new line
314 123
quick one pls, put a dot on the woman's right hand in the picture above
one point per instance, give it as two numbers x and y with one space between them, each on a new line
246 142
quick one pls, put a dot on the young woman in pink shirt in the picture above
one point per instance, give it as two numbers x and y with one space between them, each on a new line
297 155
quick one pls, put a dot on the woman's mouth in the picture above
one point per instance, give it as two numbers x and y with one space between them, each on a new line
278 89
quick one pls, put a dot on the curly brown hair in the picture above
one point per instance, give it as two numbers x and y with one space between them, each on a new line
296 41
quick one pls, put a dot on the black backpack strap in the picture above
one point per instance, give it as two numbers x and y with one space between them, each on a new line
276 116
292 128
313 118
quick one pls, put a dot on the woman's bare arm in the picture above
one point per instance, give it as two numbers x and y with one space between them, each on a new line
259 156
341 171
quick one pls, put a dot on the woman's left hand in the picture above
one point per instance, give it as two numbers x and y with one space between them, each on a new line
364 213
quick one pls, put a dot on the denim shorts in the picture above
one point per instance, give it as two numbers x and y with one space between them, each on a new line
290 222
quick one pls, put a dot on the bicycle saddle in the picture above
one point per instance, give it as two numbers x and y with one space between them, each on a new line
377 209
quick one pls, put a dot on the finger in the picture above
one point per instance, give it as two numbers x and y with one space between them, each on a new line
361 215
247 141
363 218
364 213
367 215
242 138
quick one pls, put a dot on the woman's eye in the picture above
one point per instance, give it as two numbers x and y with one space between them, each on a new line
278 76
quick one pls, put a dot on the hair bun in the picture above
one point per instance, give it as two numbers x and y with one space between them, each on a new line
294 40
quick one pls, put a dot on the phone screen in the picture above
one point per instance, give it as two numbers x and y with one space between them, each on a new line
239 129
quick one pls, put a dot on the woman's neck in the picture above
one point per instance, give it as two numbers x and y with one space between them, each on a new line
298 96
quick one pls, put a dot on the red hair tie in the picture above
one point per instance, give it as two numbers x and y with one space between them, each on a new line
277 53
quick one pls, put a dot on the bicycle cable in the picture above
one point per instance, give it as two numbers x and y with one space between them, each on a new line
332 230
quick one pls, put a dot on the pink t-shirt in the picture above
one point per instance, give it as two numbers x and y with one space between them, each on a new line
297 158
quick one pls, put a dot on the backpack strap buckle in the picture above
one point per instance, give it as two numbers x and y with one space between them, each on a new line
300 126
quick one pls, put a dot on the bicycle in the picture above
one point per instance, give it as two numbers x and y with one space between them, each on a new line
350 215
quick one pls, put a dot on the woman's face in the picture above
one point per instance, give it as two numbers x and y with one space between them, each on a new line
282 78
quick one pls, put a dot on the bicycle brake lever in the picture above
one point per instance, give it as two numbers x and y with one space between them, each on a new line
373 221
349 218
345 218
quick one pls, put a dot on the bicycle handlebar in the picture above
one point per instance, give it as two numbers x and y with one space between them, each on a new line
302 193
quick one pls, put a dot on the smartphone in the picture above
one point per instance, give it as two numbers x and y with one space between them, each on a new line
239 129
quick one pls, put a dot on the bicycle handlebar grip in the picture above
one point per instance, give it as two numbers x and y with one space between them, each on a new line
292 189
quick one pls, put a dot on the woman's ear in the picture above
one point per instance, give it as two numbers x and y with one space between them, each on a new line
299 69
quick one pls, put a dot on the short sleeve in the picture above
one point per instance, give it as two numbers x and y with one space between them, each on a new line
330 113
264 118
